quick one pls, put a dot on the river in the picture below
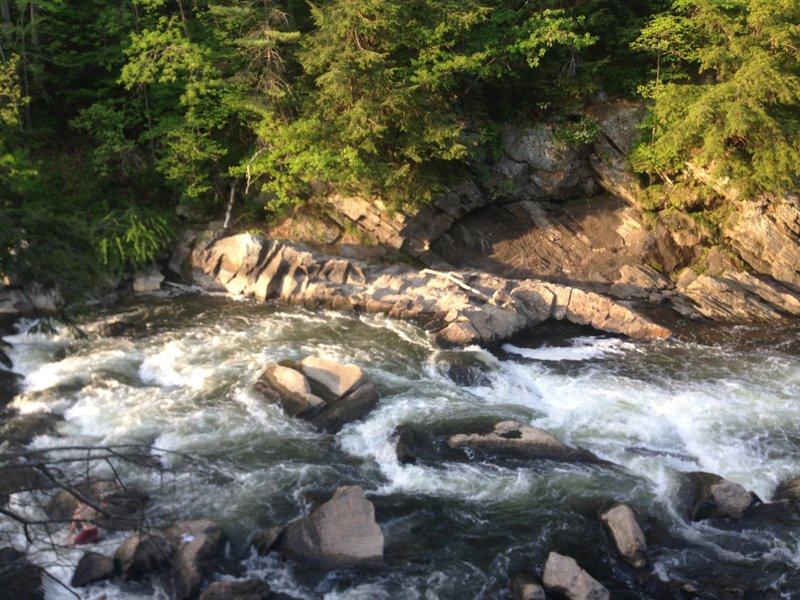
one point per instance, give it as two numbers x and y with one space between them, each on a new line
175 372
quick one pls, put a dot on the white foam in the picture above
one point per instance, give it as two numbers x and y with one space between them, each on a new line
581 349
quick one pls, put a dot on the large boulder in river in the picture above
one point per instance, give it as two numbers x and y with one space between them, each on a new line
525 587
143 553
711 496
340 533
199 545
627 534
289 388
327 393
562 575
511 438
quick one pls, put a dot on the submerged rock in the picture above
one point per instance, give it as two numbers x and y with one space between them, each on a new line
249 589
711 496
92 567
20 430
627 534
563 576
405 441
341 533
525 587
511 438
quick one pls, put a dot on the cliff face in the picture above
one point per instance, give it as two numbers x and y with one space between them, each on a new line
574 216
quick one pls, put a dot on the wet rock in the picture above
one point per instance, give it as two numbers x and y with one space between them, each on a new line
19 579
10 383
341 533
143 553
199 545
332 380
18 477
120 507
249 589
265 540
711 496
289 388
788 490
148 280
20 430
524 586
348 408
627 534
92 567
405 440
562 575
511 438
464 368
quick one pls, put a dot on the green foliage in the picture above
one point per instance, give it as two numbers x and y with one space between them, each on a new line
582 132
131 236
737 114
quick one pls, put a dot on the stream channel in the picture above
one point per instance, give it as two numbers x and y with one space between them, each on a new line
175 372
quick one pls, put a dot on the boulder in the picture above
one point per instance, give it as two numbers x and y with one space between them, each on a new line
9 381
148 280
265 540
332 380
248 589
289 388
525 587
18 477
788 490
92 567
199 544
121 507
143 553
627 535
710 496
19 579
405 440
562 575
341 533
351 407
511 438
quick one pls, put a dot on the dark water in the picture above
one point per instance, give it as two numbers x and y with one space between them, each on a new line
176 373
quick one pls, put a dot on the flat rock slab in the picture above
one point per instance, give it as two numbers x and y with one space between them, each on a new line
562 575
340 533
627 534
511 438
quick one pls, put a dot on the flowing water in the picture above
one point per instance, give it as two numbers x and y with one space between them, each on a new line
176 374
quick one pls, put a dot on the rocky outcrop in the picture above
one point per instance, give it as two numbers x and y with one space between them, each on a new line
324 392
627 534
341 533
511 438
248 589
92 567
562 575
711 496
460 307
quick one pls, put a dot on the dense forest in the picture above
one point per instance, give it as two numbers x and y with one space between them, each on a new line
118 116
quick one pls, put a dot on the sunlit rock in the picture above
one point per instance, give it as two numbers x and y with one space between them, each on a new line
627 534
340 533
562 575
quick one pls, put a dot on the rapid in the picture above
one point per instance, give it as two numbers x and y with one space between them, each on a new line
174 372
